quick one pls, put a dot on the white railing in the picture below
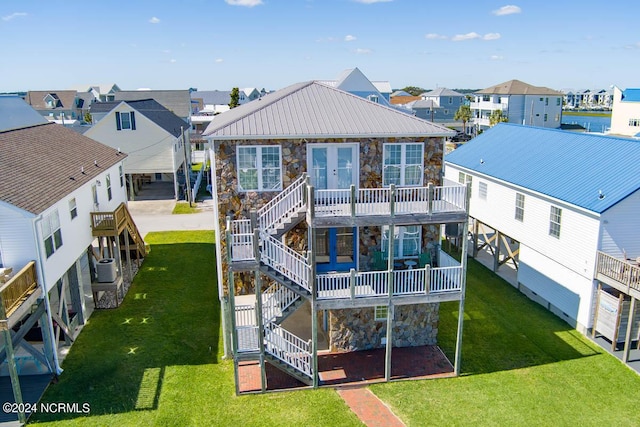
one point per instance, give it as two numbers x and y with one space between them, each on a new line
289 201
445 279
241 240
245 315
285 261
407 282
275 302
377 201
288 348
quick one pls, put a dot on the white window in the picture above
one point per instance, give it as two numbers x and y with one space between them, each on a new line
51 233
520 207
109 195
554 221
381 312
482 190
406 241
259 168
125 120
463 178
403 164
73 209
373 98
634 122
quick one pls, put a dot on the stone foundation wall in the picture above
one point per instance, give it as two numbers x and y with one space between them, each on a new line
357 329
238 205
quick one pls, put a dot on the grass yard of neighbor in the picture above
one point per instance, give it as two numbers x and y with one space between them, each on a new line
157 360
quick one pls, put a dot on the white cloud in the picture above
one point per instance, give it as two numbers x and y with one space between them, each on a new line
173 61
246 3
491 36
361 51
349 38
496 57
434 36
507 10
463 37
13 15
371 1
166 51
219 60
154 20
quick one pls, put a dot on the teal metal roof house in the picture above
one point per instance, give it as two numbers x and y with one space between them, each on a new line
560 209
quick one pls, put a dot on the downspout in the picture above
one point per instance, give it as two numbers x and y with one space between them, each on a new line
47 305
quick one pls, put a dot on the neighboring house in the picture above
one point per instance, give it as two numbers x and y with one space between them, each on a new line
322 199
520 102
427 110
587 99
60 106
176 101
448 101
355 82
53 182
151 135
562 207
101 93
625 114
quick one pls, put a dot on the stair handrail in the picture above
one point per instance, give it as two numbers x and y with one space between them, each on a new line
133 230
290 200
288 348
285 261
276 300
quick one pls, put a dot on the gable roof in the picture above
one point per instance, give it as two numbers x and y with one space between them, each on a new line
41 165
313 109
177 101
149 108
516 87
66 99
568 166
213 97
442 91
425 103
16 113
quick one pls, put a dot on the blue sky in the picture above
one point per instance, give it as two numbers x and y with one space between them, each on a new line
218 44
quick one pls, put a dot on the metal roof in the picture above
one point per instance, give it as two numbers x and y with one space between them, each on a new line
591 171
631 95
313 109
442 91
16 113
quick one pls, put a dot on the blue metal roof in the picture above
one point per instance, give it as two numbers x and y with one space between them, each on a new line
631 95
572 167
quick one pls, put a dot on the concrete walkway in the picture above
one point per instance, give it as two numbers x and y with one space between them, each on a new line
370 410
155 215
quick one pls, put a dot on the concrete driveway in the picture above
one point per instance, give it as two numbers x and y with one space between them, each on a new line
155 215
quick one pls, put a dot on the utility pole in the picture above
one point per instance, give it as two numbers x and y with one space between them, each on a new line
187 172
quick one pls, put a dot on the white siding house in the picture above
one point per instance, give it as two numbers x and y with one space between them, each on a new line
553 203
625 113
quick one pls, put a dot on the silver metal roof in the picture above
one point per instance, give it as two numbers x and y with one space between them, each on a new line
313 109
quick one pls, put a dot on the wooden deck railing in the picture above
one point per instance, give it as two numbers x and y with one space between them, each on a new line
112 223
621 271
14 292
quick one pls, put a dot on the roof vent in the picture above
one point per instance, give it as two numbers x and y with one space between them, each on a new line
600 195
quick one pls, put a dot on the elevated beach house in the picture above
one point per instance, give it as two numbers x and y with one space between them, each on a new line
562 209
329 209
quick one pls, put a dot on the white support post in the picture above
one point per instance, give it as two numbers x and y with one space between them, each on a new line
463 285
353 200
352 283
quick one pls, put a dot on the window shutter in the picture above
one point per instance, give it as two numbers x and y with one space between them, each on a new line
133 121
118 124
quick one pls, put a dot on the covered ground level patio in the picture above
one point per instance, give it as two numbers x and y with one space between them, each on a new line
353 368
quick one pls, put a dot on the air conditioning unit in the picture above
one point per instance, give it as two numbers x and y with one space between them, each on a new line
106 270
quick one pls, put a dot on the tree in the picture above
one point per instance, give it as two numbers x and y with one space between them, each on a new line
235 98
87 117
414 90
497 117
464 115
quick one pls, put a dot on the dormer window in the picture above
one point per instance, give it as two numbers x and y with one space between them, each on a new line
373 98
125 120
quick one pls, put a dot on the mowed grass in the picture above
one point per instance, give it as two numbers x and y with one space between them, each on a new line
521 366
157 359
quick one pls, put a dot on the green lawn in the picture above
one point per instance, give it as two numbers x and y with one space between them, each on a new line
521 365
157 359
184 208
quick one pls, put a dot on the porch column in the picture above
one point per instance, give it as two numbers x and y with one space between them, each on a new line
463 287
390 308
11 364
627 338
232 306
260 332
496 255
132 190
76 290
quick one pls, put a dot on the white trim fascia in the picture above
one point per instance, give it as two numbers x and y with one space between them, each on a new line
329 136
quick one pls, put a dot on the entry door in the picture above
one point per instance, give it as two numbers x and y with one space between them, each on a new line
334 166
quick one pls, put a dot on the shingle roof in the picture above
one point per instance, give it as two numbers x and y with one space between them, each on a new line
36 98
177 101
41 165
516 87
312 109
568 166
15 113
149 108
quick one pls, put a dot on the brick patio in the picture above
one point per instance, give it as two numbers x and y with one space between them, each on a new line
358 367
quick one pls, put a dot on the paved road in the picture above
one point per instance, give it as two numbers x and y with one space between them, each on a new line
155 215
